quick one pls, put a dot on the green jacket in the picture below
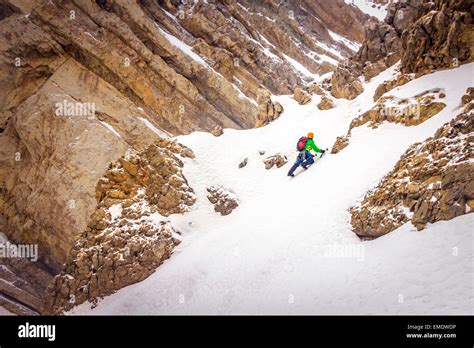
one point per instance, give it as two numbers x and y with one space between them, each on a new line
310 145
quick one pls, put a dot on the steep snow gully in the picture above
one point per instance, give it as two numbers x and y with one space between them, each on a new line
289 247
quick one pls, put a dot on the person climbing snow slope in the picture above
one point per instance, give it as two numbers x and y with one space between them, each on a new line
305 157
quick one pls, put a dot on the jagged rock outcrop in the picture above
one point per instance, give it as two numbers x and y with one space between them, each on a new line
126 238
443 38
223 200
433 181
316 88
340 144
268 110
408 112
425 35
382 40
380 48
277 160
345 83
158 170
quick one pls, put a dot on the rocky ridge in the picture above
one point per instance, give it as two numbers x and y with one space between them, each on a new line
224 201
408 112
424 36
433 181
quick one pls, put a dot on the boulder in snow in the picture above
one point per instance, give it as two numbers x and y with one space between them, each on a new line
243 163
276 160
301 96
224 201
325 104
217 131
340 144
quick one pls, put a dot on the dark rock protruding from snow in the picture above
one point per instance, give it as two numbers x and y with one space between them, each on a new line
278 160
243 163
223 200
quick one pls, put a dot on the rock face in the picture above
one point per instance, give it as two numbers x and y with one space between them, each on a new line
123 242
379 49
425 35
433 181
223 200
382 40
277 160
441 39
338 16
23 284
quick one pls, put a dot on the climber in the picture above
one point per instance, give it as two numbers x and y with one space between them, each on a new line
305 157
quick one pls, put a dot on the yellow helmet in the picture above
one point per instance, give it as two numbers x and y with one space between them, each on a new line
310 135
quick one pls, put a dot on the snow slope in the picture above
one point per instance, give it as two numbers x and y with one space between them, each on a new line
288 247
369 7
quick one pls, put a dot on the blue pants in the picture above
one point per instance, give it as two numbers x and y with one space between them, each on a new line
304 158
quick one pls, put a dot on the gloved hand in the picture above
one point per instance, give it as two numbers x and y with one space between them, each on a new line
322 152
